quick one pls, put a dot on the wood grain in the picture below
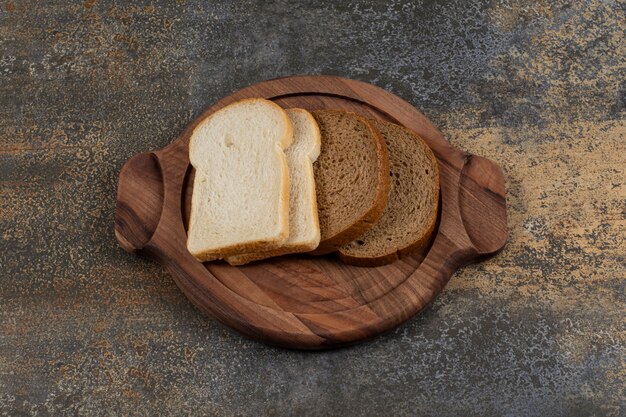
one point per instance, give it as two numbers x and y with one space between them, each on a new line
314 302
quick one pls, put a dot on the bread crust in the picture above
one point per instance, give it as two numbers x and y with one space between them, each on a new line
421 240
379 202
285 141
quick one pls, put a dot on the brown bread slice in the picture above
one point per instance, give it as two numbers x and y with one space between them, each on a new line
411 212
351 178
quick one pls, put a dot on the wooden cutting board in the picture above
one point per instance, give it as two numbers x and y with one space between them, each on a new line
301 301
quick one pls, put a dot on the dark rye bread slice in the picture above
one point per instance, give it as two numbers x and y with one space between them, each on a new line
411 212
351 178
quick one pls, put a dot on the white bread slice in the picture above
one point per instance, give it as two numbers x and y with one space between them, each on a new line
240 200
304 227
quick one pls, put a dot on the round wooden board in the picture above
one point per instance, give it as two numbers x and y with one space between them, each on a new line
309 302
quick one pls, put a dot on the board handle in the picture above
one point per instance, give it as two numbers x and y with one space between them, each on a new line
149 198
139 201
482 205
473 220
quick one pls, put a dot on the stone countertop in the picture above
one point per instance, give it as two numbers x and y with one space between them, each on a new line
537 86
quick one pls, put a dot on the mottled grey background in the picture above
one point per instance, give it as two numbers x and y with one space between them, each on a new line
537 86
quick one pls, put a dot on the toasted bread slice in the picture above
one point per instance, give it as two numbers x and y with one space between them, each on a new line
351 178
411 212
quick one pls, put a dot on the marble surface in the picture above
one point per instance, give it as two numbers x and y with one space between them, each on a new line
537 86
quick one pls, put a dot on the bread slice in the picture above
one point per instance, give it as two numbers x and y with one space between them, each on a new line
240 199
351 178
304 228
411 212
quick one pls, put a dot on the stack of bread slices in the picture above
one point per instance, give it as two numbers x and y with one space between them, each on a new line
271 182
